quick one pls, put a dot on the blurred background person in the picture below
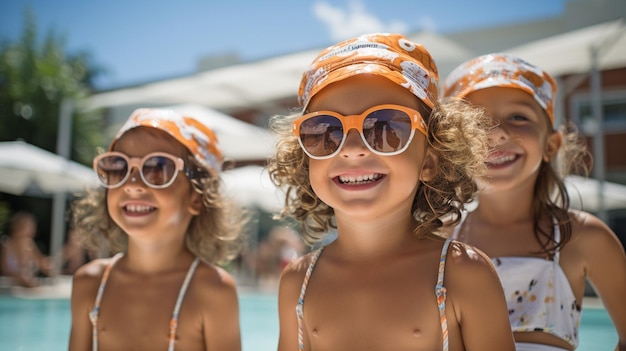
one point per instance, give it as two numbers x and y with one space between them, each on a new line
21 258
74 253
275 252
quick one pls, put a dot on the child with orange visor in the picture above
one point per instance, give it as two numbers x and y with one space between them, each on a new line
376 157
543 250
162 212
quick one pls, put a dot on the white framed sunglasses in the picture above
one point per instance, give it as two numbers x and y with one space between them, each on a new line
158 170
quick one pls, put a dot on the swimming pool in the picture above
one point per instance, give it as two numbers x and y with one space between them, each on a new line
38 324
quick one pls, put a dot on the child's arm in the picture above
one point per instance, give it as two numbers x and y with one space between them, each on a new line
44 263
606 269
477 298
288 294
221 320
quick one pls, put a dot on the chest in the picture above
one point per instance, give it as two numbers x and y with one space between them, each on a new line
136 313
505 240
376 308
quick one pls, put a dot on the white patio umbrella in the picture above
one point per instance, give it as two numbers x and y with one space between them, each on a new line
28 170
583 194
250 186
238 140
570 53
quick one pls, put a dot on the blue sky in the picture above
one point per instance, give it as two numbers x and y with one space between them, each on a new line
145 40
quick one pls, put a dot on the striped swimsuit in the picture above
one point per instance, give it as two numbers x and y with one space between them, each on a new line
93 315
440 292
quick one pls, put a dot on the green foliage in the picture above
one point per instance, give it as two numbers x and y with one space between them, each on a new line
35 77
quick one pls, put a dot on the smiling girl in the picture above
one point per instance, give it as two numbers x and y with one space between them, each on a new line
375 157
160 208
543 250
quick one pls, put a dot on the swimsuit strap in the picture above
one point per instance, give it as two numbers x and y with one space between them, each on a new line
557 239
440 292
93 315
179 301
300 305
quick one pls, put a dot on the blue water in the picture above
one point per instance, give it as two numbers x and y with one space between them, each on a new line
44 324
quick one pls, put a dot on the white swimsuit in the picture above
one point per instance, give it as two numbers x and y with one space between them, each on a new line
538 294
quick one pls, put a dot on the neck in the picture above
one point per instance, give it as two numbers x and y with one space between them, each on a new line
376 237
505 206
157 257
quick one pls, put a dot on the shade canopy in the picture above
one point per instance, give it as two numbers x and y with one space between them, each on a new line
238 140
29 170
584 194
254 84
251 187
570 53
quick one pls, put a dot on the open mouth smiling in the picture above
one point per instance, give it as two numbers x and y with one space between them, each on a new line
360 179
138 209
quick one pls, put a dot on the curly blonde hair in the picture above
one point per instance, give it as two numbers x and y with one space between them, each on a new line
456 134
216 234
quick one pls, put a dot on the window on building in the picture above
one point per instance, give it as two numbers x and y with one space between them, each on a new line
613 110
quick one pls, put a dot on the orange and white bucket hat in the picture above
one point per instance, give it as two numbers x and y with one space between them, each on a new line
502 70
392 56
194 135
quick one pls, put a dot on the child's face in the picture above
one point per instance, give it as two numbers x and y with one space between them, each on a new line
142 211
357 181
520 139
25 228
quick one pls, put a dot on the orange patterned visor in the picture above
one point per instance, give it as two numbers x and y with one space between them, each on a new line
190 132
392 56
502 70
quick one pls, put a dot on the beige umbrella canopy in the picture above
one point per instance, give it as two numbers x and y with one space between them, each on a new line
570 53
256 83
584 194
250 186
238 140
28 170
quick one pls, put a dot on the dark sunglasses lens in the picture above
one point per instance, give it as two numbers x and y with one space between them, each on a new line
112 170
321 135
387 130
158 170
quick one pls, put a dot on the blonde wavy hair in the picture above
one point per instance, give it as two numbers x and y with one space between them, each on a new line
216 234
456 134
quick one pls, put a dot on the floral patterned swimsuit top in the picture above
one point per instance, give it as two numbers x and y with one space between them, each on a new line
538 294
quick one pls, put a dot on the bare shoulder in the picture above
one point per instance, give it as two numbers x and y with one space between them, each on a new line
215 301
214 279
469 269
85 283
583 222
213 292
293 274
464 259
590 233
90 273
295 271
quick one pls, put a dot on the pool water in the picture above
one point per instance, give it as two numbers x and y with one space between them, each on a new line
38 324
44 324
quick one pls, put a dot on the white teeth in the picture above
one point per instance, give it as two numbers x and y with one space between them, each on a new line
502 159
361 179
139 208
